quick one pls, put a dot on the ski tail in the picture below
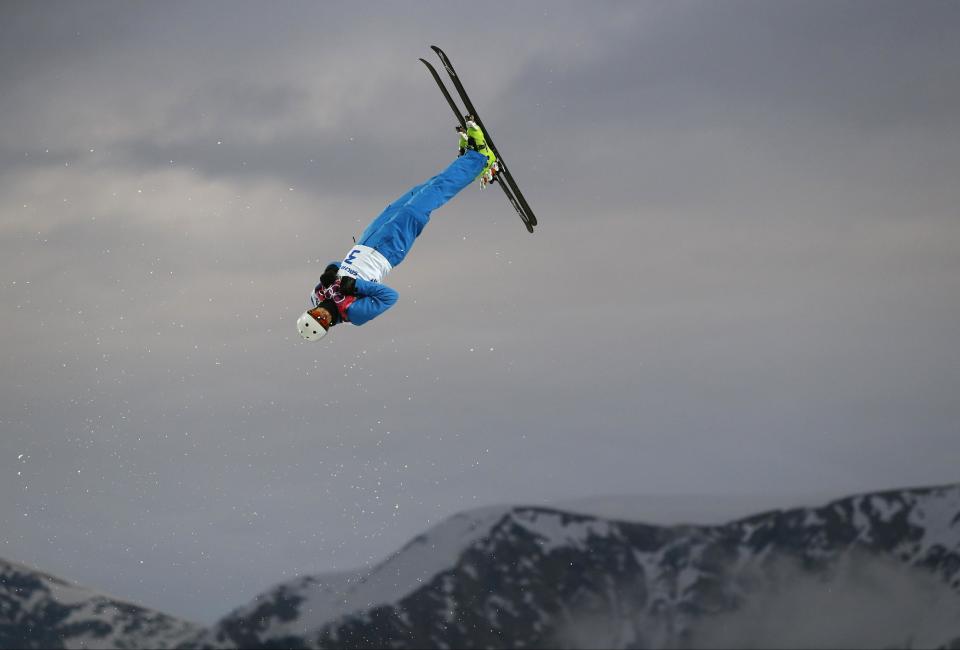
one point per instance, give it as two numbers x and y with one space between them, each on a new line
446 93
504 170
516 206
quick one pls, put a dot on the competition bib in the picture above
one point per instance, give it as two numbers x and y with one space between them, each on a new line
365 263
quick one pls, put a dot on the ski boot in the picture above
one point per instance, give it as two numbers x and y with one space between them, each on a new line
471 137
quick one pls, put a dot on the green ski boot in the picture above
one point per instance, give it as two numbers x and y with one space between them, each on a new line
472 137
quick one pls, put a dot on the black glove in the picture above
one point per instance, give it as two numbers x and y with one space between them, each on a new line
329 275
348 286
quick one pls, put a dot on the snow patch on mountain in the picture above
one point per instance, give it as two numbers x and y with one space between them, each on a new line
422 559
939 517
38 610
554 531
317 600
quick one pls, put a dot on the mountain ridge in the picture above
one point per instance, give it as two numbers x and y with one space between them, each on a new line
541 576
39 610
684 571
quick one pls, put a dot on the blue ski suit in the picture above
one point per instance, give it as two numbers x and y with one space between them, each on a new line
391 236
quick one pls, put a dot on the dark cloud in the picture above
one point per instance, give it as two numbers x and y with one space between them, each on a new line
763 65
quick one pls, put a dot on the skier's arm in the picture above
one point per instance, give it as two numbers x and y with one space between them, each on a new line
372 300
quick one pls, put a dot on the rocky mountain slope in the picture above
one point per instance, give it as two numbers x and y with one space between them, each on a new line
40 611
876 569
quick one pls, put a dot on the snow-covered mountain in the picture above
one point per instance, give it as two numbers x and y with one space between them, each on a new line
40 611
875 570
871 570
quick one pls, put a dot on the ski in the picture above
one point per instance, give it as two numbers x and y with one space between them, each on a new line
455 78
446 93
516 206
525 215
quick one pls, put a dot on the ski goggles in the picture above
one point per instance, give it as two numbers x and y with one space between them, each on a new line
321 315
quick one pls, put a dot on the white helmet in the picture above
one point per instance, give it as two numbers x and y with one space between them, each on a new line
310 327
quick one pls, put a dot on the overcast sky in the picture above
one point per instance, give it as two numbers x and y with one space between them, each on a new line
745 284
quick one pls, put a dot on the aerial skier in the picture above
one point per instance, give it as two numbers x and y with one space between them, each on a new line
351 291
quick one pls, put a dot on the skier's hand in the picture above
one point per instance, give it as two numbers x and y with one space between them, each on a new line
329 275
348 286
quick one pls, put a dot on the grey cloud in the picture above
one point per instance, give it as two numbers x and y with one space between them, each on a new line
865 602
763 64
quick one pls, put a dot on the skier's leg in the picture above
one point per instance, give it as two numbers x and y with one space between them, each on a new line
445 185
394 231
388 213
406 196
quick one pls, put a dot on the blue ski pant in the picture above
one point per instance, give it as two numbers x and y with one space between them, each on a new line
398 226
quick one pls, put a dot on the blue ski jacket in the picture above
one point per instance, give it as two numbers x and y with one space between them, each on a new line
372 299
